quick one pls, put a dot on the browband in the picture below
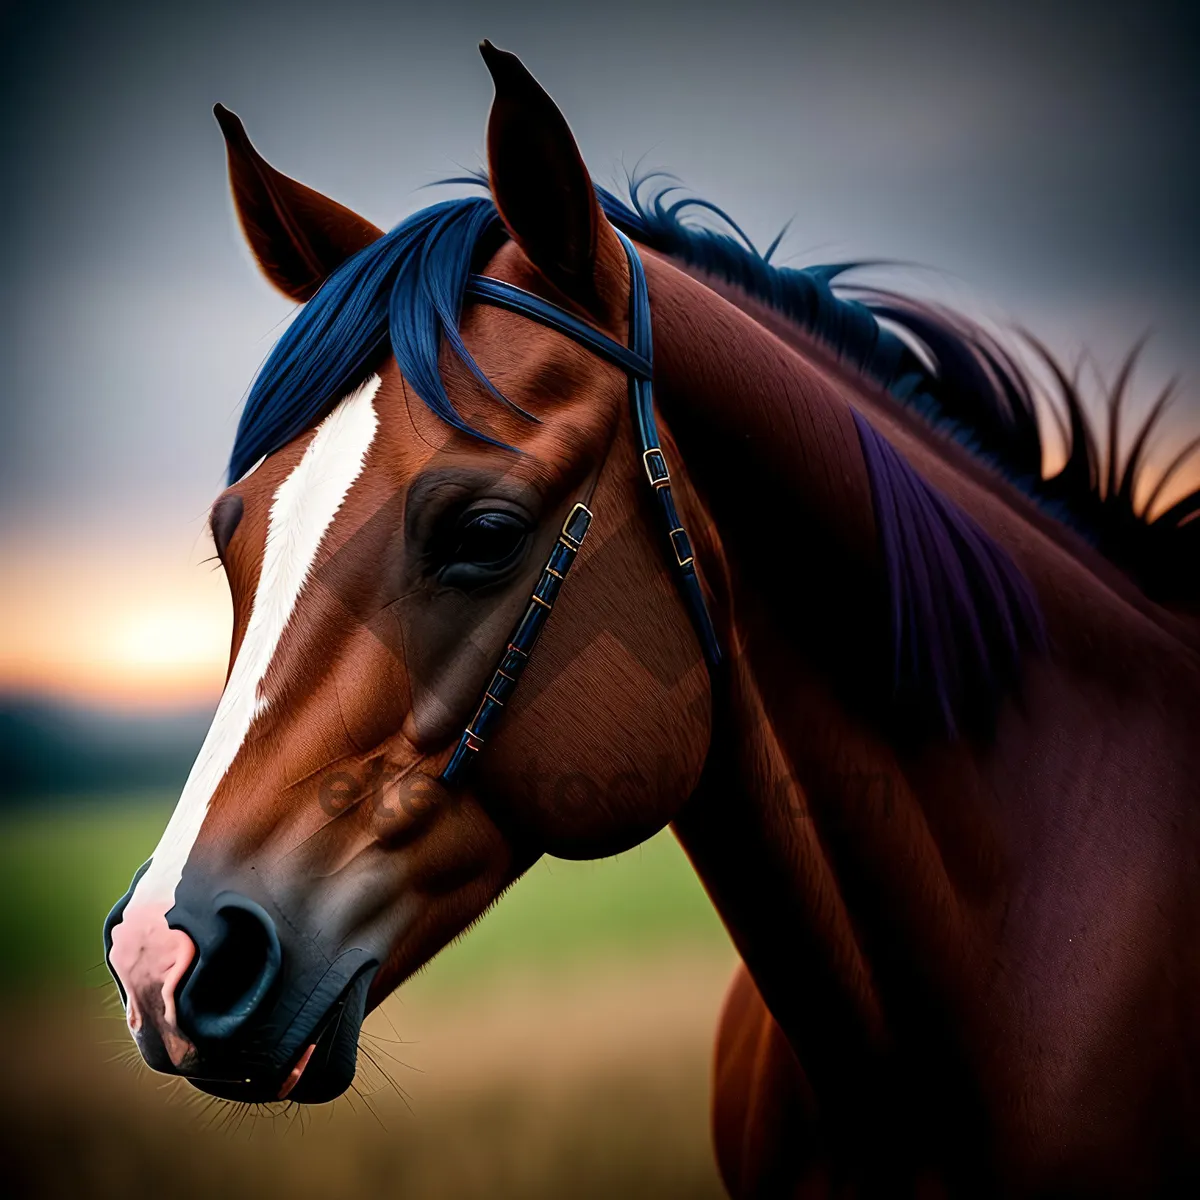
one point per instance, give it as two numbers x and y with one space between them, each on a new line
637 361
518 300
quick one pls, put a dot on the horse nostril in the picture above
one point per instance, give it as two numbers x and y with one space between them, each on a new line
234 972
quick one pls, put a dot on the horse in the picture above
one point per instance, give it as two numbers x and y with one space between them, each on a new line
921 715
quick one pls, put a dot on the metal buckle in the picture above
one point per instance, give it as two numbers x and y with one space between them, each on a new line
578 519
682 545
655 464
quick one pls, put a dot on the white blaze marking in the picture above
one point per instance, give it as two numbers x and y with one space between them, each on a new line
303 509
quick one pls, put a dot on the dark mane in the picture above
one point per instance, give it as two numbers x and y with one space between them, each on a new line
405 292
973 389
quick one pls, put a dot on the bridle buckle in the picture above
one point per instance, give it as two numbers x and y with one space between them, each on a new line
655 463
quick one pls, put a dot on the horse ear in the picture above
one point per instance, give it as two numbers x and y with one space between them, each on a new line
543 191
298 236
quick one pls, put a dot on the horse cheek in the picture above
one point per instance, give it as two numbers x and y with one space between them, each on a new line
632 755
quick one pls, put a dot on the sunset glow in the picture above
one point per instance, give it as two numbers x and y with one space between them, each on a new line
150 630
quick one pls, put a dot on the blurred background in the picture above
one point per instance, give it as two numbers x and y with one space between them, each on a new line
1034 162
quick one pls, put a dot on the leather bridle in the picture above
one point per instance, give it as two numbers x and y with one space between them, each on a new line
637 361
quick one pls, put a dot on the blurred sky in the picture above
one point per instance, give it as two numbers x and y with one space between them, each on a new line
1040 155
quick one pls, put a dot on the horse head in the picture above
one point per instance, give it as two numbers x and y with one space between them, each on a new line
402 472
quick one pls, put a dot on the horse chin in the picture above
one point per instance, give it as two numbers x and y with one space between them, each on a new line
324 1067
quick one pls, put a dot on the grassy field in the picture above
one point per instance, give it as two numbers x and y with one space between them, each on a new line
563 1047
62 866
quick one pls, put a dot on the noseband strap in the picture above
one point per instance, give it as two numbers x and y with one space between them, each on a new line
637 361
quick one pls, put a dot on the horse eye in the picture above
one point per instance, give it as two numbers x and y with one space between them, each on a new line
484 544
489 539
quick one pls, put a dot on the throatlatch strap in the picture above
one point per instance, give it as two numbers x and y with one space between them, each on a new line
645 428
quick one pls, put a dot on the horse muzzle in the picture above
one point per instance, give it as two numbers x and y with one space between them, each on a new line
212 994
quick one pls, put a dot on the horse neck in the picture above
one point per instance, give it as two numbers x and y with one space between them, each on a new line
879 890
777 494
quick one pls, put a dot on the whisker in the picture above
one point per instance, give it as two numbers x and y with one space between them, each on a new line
388 1078
367 1102
398 1061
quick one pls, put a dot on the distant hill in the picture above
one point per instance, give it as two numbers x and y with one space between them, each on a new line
51 750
